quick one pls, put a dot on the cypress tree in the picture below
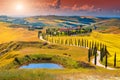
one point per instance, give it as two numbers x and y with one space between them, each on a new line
103 51
79 42
61 41
95 54
98 46
69 41
95 58
66 42
87 43
106 51
75 42
90 52
82 43
89 55
115 60
101 54
90 45
94 50
106 61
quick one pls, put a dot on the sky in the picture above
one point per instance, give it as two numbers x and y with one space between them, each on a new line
99 8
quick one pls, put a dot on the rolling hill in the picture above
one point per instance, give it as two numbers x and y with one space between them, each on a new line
52 21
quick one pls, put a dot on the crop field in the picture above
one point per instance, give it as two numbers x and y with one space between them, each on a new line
24 47
112 41
38 50
8 34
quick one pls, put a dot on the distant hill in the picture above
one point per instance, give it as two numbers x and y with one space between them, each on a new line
52 21
109 26
110 22
102 23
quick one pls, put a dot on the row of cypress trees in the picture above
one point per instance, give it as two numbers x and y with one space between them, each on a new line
103 55
92 51
76 42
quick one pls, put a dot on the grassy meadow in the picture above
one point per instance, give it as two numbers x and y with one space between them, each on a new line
34 50
19 47
8 34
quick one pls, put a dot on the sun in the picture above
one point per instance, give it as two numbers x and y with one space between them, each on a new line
19 7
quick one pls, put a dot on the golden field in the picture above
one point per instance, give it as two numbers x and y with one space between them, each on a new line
112 41
76 53
8 34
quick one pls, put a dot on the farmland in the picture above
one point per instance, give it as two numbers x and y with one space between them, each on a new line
20 46
110 40
16 34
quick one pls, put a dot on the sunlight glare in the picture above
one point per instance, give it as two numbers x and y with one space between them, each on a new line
19 7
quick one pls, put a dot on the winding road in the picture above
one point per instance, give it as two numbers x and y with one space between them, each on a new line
98 62
98 57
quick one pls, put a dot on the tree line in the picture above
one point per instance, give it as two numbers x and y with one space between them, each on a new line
67 31
93 48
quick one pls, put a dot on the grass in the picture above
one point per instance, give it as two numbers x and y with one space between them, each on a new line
36 51
25 75
112 41
67 74
8 34
25 43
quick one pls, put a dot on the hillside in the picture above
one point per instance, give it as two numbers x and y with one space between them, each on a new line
8 34
109 26
52 21
112 41
19 46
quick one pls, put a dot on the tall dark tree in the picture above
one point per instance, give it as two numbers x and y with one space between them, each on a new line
100 45
75 42
72 42
69 42
101 54
95 54
66 42
82 43
106 61
95 58
115 60
79 42
95 50
90 45
62 41
87 43
89 54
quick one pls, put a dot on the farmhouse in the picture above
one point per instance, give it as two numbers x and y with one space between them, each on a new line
69 29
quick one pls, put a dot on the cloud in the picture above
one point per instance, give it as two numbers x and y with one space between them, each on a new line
117 11
84 8
56 4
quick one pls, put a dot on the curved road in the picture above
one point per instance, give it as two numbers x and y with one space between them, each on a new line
98 57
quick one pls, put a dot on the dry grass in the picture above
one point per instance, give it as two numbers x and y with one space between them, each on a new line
16 34
63 51
111 40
